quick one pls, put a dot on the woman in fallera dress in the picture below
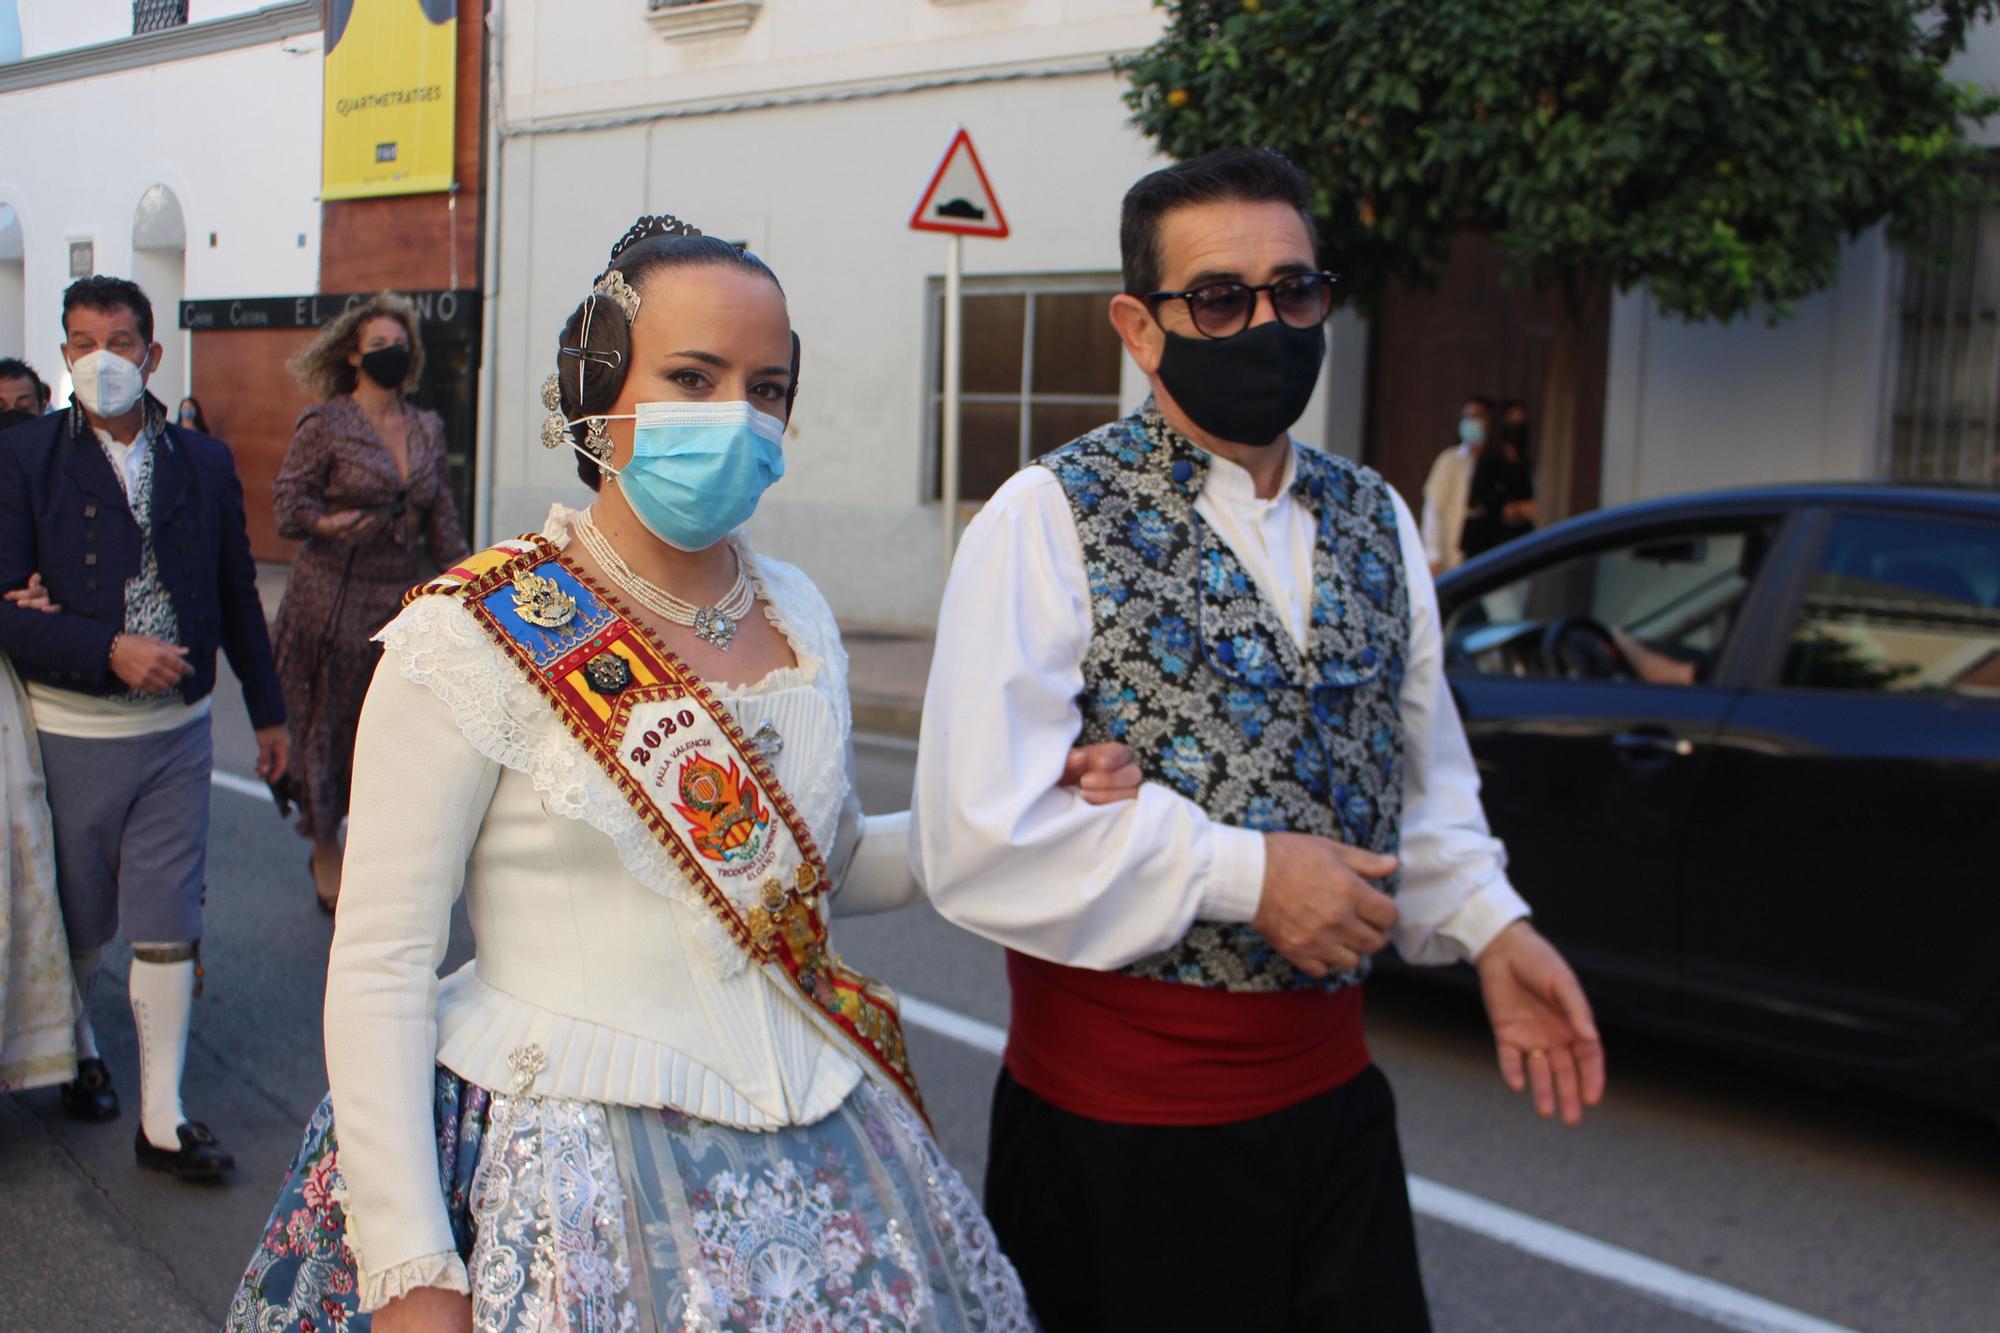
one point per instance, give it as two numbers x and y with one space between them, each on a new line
656 1099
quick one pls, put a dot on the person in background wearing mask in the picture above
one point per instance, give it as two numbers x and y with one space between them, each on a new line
366 484
1502 501
189 415
127 564
21 389
1448 489
1186 1087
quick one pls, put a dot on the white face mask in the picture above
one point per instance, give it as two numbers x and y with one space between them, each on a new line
106 383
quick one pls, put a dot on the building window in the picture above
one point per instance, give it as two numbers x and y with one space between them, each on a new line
1943 424
158 15
677 19
1040 366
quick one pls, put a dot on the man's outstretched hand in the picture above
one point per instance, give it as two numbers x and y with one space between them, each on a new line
1542 1024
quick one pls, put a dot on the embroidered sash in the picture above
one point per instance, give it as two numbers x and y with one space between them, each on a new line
691 776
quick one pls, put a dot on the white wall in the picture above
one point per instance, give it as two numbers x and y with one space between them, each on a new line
13 296
1696 406
823 191
823 194
572 59
253 188
48 26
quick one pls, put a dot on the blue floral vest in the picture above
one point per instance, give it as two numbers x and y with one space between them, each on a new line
1198 674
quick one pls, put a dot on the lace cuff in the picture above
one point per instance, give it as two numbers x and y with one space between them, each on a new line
444 1269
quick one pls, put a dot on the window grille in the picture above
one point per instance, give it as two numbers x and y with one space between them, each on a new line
158 15
1943 424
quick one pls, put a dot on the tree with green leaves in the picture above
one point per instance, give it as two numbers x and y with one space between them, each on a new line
1716 151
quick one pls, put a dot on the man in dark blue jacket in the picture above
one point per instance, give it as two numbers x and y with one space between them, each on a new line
126 564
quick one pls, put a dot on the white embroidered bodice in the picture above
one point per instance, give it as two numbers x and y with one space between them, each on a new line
591 950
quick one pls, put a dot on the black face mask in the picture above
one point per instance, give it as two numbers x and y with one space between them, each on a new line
1247 389
1514 433
387 366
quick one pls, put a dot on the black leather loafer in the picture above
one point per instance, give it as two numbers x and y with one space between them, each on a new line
90 1096
199 1158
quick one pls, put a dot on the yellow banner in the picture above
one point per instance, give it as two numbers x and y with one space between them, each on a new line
391 75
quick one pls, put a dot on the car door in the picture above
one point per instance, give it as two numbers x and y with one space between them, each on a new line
1841 889
1589 777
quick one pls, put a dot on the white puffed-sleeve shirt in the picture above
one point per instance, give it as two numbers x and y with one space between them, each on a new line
1006 855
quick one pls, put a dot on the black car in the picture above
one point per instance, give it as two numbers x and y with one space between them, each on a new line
1744 750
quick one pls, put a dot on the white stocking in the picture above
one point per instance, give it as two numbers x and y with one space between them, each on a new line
83 967
162 1005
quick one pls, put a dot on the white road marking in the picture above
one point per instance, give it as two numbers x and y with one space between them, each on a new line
253 787
1689 1292
1684 1291
882 740
949 1023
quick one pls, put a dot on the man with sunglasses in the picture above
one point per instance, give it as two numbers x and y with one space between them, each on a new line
1188 1131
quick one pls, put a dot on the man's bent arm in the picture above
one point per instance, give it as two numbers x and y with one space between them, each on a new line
1000 849
1454 895
62 643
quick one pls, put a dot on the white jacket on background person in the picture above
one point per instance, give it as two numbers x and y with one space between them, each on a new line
1447 497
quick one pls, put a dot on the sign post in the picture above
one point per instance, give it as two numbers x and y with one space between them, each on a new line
958 202
954 334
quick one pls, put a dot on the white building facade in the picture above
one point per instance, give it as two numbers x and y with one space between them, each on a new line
1891 372
808 130
177 145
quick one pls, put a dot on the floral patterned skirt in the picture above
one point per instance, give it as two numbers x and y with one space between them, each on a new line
578 1215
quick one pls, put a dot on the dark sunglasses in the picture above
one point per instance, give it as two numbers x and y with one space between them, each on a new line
1224 309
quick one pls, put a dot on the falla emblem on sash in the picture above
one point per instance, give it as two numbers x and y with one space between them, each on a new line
541 601
607 673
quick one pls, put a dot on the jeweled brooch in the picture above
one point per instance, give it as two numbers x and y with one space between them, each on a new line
608 673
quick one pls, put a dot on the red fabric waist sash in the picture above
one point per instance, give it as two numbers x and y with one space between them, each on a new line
1139 1052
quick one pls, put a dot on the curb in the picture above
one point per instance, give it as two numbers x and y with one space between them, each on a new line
886 714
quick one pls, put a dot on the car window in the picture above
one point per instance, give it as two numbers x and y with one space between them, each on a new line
1901 604
1675 592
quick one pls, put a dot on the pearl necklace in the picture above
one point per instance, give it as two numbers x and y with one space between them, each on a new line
714 624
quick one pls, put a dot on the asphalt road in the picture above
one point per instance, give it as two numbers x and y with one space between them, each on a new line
1856 1208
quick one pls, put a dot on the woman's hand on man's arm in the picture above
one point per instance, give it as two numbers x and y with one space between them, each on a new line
1102 773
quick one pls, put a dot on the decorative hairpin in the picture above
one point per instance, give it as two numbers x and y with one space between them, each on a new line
649 226
556 432
613 287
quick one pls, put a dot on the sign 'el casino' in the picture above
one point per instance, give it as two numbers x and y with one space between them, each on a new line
447 306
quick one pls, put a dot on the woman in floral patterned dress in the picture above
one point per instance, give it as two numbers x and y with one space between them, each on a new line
615 1117
366 485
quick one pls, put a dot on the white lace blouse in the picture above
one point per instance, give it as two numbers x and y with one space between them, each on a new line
590 946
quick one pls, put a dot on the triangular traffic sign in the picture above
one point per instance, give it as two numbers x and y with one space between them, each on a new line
960 199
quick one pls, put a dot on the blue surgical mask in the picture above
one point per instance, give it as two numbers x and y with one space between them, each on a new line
698 469
1471 430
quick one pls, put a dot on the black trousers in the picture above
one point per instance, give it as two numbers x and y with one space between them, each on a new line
1297 1222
